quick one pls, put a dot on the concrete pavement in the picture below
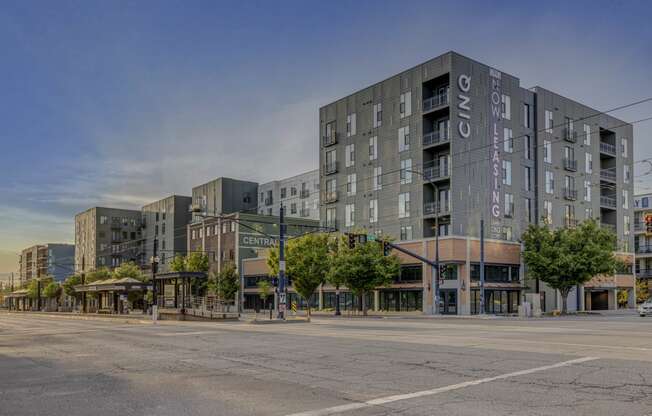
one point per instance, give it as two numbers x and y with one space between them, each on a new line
579 366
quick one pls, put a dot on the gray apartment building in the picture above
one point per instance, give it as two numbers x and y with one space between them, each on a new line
165 221
224 196
299 194
52 259
451 143
643 236
107 237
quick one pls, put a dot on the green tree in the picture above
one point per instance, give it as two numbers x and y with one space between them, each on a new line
227 282
194 262
103 273
32 289
566 257
265 290
69 284
308 263
364 268
642 291
178 263
52 290
128 270
197 262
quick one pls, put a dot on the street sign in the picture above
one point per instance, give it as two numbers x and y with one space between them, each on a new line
371 237
282 299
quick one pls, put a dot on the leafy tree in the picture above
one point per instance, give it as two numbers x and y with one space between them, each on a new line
194 262
103 273
227 282
265 290
178 263
128 270
642 291
566 257
32 289
364 268
52 290
308 263
197 262
69 284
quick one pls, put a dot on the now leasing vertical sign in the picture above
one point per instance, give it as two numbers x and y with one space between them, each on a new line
495 127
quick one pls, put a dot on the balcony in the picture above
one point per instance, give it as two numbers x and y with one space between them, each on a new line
570 194
330 197
639 227
269 201
432 103
434 138
436 172
436 208
607 202
331 224
570 222
330 168
305 212
570 135
305 193
608 149
645 249
329 140
608 175
608 226
644 273
570 164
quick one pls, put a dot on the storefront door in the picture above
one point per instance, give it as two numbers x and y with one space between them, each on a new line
448 302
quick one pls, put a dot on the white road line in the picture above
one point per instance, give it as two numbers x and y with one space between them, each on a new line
438 390
179 334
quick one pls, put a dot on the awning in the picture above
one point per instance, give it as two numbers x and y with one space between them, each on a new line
22 293
181 275
113 285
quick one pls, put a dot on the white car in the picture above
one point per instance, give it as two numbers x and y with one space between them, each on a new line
645 308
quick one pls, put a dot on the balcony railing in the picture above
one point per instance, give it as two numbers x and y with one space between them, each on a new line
644 273
571 222
608 226
570 194
330 197
438 100
608 149
436 208
305 193
331 224
330 168
305 212
436 172
570 164
329 140
435 137
570 135
608 202
608 175
645 249
639 227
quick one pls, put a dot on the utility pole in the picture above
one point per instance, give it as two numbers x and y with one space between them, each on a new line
281 264
482 307
38 294
436 275
154 260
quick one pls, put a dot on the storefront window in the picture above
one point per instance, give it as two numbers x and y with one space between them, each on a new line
496 301
401 300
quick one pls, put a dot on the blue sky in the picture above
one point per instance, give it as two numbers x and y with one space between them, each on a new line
120 103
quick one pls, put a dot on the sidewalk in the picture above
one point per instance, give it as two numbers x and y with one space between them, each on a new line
135 318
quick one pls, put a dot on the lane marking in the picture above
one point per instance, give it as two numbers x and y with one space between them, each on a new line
178 334
389 399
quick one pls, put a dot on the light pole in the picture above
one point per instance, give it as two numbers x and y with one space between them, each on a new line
154 261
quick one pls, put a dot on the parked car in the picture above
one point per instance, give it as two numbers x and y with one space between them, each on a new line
645 308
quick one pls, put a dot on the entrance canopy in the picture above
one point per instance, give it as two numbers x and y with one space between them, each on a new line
22 293
181 275
126 284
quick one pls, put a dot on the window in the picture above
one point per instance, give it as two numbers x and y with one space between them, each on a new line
508 140
404 205
548 120
156 229
404 138
293 190
378 180
378 115
284 192
526 115
588 163
645 202
547 212
587 135
623 146
373 148
201 233
528 210
547 151
406 233
507 172
626 173
104 219
569 215
527 183
373 211
626 198
329 133
331 216
350 125
588 213
527 147
331 158
293 208
163 229
587 191
507 107
507 233
349 212
349 155
193 234
405 106
550 181
569 183
216 229
406 171
208 232
509 205
626 225
351 184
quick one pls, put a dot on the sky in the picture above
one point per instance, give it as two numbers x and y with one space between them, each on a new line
120 103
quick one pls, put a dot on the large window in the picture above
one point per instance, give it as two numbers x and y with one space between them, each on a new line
508 140
349 155
378 178
496 273
496 301
404 205
378 115
350 125
507 172
406 171
401 300
405 106
373 148
404 138
373 211
351 184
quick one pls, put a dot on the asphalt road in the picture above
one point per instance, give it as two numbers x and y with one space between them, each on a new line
586 366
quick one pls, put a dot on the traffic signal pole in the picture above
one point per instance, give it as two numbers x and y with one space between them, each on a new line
281 264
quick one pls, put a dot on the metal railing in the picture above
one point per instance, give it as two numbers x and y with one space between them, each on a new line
330 168
570 164
608 226
608 174
645 249
330 196
607 148
436 172
329 140
570 135
435 137
607 201
644 273
570 194
436 208
435 101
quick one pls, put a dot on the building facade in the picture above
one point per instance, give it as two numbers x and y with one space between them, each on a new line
107 237
643 236
224 196
299 194
452 146
166 222
55 260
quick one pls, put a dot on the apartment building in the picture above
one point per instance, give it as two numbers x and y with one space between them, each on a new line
165 221
52 259
107 237
299 194
451 144
223 196
643 235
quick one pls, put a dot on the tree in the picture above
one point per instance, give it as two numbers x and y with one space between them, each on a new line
566 257
52 290
103 273
128 270
308 263
227 282
265 289
642 291
194 262
178 263
365 268
69 284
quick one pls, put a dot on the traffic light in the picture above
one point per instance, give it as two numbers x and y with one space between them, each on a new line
387 248
351 240
443 270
